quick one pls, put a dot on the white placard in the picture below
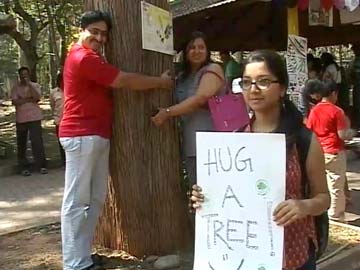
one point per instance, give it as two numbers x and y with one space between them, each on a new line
157 29
243 179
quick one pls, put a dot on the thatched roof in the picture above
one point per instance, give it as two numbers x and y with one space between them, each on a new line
233 24
185 7
252 24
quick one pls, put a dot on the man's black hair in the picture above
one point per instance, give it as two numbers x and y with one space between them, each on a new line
316 65
22 69
94 16
330 87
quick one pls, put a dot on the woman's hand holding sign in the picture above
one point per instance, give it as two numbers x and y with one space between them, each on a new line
197 197
289 211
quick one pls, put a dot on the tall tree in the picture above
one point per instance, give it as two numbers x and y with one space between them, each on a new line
145 211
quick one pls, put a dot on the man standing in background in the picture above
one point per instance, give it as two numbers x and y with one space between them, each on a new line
25 96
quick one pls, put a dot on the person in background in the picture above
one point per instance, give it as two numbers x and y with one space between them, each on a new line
25 96
355 81
309 60
331 126
310 96
199 80
332 71
56 103
307 98
265 81
315 71
230 66
85 132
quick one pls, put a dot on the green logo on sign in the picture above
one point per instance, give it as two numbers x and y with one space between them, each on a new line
262 187
261 267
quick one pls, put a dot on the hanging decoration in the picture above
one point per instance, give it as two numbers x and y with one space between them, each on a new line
318 15
351 5
326 4
339 4
303 5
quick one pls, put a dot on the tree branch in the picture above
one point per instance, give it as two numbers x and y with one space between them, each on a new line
19 38
18 9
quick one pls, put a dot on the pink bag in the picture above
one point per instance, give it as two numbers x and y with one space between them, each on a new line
229 112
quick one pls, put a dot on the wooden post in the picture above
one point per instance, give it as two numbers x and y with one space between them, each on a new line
145 212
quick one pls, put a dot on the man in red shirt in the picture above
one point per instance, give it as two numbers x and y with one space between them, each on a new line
331 126
85 130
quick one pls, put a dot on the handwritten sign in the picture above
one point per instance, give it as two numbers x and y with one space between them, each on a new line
243 179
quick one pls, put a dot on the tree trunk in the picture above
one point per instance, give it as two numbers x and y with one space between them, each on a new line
145 212
31 61
54 62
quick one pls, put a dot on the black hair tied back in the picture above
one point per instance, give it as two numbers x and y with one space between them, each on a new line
291 121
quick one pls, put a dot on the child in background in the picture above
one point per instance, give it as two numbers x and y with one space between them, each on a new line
332 127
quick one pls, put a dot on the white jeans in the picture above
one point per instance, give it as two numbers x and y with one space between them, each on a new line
335 166
87 169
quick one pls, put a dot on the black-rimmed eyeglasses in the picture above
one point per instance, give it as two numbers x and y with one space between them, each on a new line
261 84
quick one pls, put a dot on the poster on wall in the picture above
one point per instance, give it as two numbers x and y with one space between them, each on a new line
297 66
318 15
234 226
157 29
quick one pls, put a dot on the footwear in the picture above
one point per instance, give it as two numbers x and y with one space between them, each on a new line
43 171
25 173
94 267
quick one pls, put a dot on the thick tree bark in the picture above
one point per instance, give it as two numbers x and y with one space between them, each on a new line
145 211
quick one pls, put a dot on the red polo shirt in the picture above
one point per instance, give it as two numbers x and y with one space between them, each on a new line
325 120
87 97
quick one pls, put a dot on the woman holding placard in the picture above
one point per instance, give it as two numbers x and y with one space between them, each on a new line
264 83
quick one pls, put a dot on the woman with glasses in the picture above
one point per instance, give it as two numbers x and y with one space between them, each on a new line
198 81
264 83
